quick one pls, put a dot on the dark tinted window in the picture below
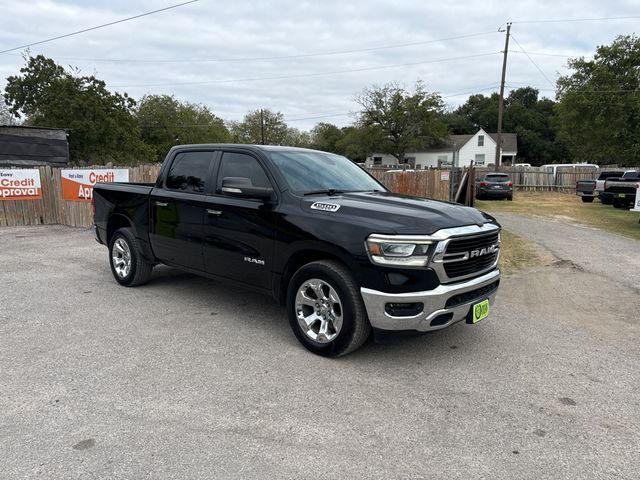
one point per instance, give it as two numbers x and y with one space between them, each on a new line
243 166
189 171
605 175
497 178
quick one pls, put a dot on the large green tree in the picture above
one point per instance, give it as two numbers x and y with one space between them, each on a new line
100 123
268 127
406 120
599 104
164 121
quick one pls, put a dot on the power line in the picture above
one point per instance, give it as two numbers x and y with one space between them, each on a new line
545 54
306 75
97 27
534 63
279 57
564 20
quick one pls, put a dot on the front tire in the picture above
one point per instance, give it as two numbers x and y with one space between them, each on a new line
587 199
325 309
128 266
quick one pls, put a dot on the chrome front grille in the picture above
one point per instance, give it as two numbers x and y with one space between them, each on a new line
466 254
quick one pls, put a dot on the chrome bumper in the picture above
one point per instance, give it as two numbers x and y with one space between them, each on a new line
434 304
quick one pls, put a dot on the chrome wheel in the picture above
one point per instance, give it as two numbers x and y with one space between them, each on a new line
319 310
121 257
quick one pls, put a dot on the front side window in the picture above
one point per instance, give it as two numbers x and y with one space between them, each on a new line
189 172
241 165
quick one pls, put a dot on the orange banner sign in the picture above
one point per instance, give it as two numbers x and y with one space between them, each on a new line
20 184
77 184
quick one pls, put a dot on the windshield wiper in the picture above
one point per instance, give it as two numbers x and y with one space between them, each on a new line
328 191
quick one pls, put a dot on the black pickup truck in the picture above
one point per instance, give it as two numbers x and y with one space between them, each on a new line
621 191
312 229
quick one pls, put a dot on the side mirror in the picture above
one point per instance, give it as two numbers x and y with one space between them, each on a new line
242 187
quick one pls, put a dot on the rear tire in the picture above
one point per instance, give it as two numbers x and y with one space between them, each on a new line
325 309
617 203
587 199
128 266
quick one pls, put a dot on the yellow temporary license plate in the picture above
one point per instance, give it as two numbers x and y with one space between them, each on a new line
479 311
622 195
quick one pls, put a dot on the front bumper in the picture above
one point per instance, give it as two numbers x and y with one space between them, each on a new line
443 306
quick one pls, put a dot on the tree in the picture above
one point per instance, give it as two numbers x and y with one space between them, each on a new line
6 117
100 123
406 120
250 129
325 136
164 121
599 104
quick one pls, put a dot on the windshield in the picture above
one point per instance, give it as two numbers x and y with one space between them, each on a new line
309 171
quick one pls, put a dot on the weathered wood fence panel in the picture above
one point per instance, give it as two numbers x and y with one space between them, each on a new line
419 183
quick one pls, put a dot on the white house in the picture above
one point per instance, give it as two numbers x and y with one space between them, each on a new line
479 148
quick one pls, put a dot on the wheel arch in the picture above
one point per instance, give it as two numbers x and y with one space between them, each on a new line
303 256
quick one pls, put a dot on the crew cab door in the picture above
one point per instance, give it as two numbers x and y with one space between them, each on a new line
239 232
177 210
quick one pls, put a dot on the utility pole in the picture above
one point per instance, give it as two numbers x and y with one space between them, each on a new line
501 104
262 125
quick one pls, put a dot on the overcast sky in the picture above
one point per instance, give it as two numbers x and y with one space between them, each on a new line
175 52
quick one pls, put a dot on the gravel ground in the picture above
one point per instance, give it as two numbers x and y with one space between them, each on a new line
185 378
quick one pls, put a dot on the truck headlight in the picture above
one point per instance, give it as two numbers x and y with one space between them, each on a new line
398 250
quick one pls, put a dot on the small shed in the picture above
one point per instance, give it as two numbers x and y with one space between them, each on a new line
22 146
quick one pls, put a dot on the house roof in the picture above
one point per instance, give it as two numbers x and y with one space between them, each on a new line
509 141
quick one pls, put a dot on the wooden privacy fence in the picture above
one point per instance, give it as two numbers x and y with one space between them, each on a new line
52 209
541 180
419 183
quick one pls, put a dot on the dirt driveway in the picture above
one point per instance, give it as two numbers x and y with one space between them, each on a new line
187 378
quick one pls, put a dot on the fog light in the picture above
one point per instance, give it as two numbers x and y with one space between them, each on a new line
403 309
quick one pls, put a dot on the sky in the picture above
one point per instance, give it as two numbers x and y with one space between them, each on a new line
228 55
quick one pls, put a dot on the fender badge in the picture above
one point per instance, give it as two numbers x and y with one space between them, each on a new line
326 207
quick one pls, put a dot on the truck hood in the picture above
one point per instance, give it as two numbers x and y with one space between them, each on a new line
392 213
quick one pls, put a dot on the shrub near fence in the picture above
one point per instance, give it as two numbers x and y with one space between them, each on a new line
52 209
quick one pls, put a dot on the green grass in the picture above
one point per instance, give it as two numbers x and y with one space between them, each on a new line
516 253
570 209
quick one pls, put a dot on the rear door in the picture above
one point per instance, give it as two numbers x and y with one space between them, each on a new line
240 232
178 207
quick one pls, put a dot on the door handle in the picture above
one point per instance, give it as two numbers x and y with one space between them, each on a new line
214 212
162 204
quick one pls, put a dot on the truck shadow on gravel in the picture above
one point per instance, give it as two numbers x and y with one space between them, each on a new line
247 314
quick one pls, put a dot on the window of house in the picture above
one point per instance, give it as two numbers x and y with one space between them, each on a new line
189 171
479 159
377 160
443 160
481 140
410 161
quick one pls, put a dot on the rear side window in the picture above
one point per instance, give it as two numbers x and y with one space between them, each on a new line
241 165
189 172
497 178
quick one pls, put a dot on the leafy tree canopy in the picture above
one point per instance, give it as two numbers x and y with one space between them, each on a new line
599 104
100 123
406 120
164 122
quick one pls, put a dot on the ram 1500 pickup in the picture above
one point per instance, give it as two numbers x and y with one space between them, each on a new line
314 230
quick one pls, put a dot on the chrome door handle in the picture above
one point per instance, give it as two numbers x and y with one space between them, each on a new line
214 212
162 204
